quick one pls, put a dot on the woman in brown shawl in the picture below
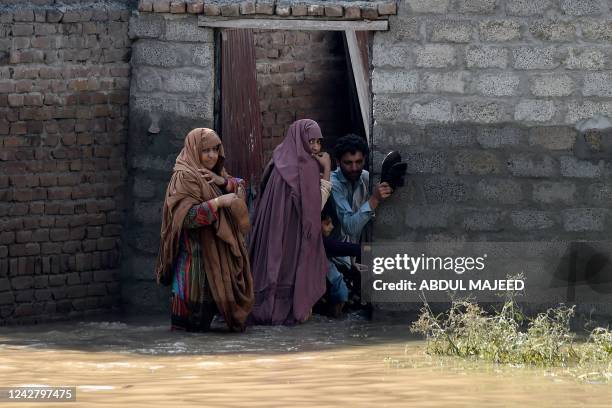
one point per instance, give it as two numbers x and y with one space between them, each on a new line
286 246
202 251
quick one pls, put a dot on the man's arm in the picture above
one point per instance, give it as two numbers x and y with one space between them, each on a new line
352 222
381 192
335 248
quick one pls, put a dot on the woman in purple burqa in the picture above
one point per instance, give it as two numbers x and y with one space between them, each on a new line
288 260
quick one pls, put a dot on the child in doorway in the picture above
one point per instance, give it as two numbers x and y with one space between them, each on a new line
337 290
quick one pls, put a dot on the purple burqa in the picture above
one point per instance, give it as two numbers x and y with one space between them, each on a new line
286 248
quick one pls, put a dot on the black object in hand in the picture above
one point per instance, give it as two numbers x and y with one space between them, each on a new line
393 170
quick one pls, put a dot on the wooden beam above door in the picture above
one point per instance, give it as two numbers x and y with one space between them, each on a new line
293 24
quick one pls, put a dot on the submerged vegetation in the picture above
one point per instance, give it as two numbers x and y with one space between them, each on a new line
508 336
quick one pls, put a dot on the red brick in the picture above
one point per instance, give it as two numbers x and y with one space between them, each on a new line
59 234
333 11
51 208
94 232
33 99
283 10
145 5
69 139
177 7
77 84
18 209
161 6
247 7
76 165
68 180
77 233
7 86
195 7
28 249
264 8
66 208
48 180
40 235
369 13
112 230
23 86
316 10
23 195
61 193
97 219
352 12
15 100
35 127
47 221
389 8
230 10
4 127
24 180
71 247
105 244
43 294
23 236
37 208
25 72
7 237
105 275
299 10
77 291
14 141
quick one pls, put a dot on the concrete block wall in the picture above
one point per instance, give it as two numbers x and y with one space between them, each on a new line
171 92
64 82
483 99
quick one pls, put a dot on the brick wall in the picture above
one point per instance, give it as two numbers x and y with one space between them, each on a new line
301 74
64 81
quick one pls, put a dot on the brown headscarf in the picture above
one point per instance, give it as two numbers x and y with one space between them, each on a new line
223 249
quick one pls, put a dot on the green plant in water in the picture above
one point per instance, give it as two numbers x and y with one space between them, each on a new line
466 330
598 346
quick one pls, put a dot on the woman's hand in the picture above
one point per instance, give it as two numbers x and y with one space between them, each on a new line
225 200
325 163
324 160
212 177
241 192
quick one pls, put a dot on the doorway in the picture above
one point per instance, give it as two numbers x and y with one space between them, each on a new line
269 78
304 74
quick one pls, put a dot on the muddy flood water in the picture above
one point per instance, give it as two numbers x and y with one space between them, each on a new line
324 363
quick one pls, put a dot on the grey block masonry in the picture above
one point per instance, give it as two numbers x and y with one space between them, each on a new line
171 92
481 98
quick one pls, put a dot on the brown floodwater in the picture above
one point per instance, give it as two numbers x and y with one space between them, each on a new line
323 363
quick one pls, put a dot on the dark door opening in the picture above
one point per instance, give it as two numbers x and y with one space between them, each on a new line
270 78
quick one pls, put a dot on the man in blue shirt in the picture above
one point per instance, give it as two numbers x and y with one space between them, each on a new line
354 207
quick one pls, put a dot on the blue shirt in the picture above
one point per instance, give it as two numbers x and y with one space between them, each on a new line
351 222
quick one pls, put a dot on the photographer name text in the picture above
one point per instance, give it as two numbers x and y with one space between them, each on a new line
450 284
